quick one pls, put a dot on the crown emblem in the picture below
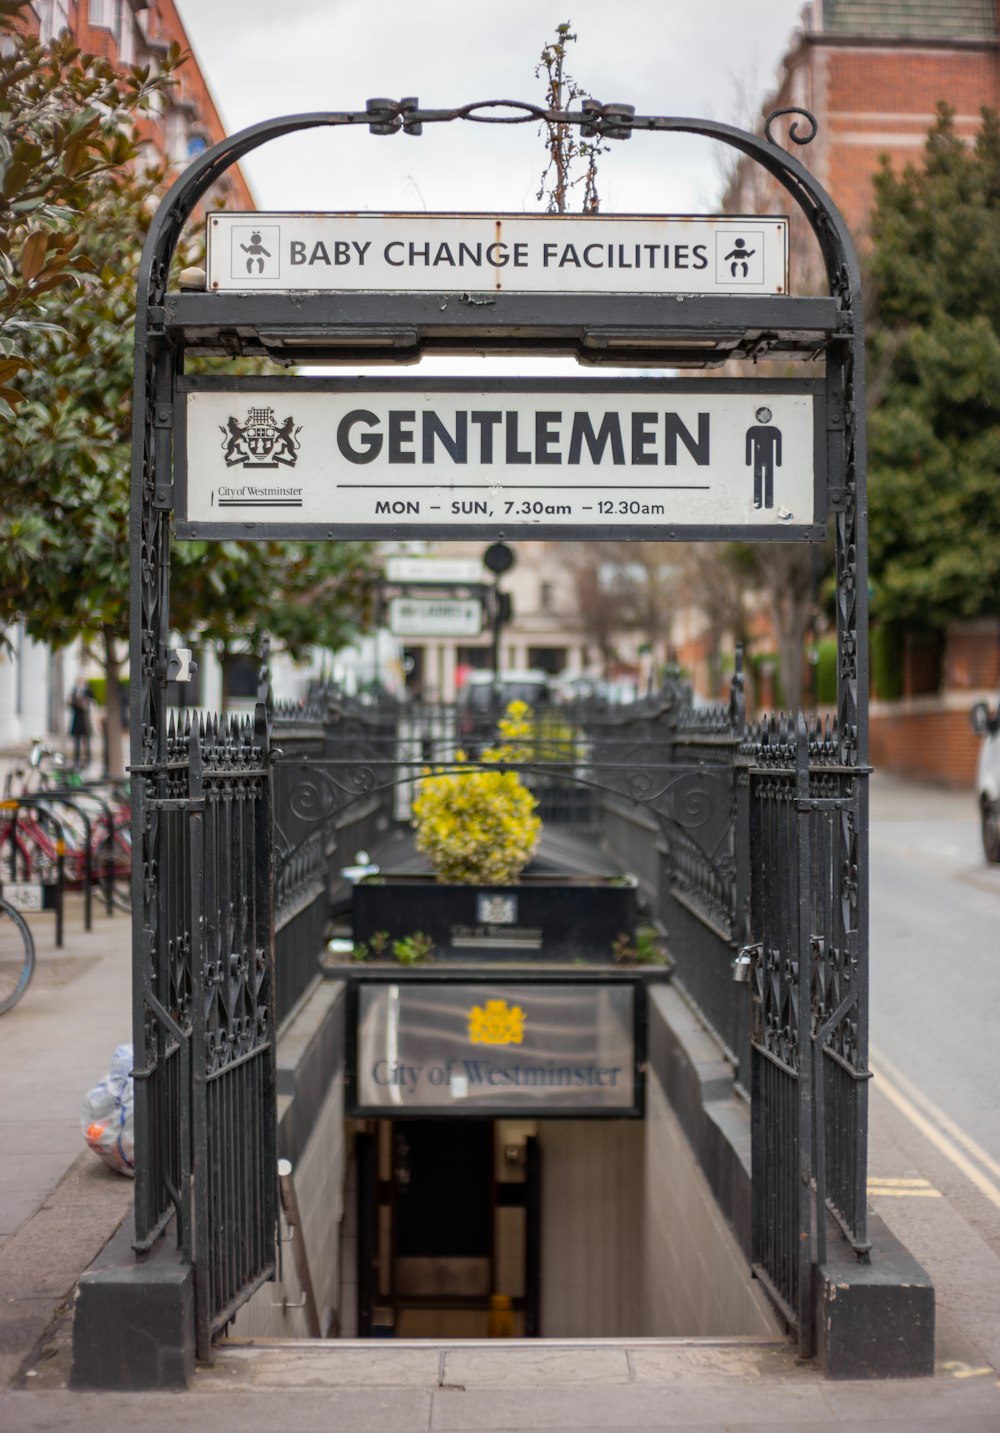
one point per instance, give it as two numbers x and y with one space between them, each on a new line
261 441
496 1024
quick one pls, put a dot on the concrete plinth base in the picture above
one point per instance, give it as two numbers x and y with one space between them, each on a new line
874 1320
133 1325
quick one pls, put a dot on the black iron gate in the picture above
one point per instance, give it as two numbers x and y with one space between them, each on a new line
810 998
205 1087
787 877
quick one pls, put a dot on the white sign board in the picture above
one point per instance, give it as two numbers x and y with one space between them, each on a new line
435 569
435 617
23 895
565 458
511 253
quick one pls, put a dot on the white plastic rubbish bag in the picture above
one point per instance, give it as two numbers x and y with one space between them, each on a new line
106 1115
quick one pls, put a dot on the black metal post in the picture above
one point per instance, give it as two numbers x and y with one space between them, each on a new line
496 630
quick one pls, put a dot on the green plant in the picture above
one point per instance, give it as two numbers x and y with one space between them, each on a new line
373 948
934 356
413 949
887 661
826 672
479 827
644 947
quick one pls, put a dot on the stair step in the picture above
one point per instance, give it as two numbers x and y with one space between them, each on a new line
515 1363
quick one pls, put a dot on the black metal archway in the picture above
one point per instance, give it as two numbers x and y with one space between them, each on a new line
203 987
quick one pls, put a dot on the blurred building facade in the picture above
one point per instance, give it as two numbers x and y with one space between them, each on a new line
181 124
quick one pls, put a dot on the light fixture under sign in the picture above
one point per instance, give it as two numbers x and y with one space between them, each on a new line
654 338
342 337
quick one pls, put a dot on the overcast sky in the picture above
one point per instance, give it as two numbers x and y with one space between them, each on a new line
271 57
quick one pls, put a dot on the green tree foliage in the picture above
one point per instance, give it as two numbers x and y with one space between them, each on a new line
65 465
934 362
64 124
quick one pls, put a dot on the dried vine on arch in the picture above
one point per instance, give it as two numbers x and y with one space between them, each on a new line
565 147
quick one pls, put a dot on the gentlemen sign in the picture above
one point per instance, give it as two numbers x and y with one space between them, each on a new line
503 1048
353 458
512 253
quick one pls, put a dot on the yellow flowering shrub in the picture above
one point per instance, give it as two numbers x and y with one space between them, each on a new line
479 827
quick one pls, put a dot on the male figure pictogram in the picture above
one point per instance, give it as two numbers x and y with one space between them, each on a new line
256 253
764 451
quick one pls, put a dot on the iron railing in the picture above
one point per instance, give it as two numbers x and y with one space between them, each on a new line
688 854
742 837
205 1082
810 997
302 855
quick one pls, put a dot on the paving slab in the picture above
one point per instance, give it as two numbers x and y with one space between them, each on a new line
544 1367
943 1398
712 1362
725 1402
42 1260
626 1406
309 1411
298 1366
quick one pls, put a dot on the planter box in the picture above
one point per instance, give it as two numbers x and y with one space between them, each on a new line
542 919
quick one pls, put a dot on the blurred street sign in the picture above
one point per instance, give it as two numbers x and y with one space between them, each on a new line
434 569
435 617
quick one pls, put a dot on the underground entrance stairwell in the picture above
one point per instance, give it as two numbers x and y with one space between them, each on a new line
748 841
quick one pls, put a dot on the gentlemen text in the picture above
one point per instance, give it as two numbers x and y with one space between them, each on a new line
505 436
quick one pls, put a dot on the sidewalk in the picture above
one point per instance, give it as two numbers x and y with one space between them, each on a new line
59 1205
58 1202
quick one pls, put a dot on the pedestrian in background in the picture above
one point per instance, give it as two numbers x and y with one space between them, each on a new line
81 699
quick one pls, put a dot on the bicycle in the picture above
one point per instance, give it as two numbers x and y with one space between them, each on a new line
93 819
17 956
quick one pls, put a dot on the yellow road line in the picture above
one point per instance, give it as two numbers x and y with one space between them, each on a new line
937 1113
877 1192
949 1147
899 1183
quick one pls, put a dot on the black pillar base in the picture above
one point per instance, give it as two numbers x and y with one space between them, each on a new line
133 1325
874 1320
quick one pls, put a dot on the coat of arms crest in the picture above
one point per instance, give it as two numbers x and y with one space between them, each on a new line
496 1024
260 441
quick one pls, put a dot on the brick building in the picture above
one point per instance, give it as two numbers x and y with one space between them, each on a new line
139 32
873 73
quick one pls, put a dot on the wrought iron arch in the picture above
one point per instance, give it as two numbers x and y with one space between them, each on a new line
159 799
151 496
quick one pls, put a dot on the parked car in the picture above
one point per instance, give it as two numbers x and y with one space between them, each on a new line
988 777
482 698
581 688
